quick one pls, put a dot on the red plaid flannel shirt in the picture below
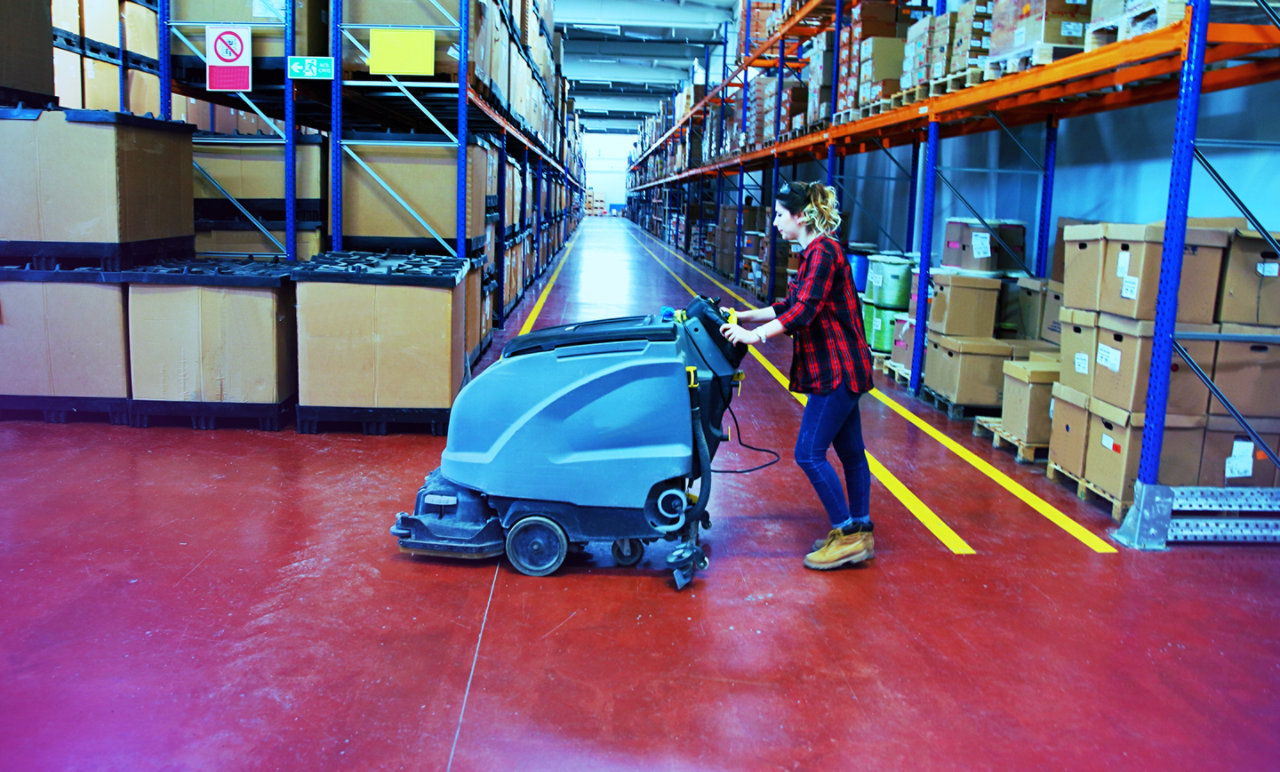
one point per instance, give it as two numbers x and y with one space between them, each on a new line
822 316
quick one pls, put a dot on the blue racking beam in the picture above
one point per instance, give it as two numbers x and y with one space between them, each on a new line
1175 238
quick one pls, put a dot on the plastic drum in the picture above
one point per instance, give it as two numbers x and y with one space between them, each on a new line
889 281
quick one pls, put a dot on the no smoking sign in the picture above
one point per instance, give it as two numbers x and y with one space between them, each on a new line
228 63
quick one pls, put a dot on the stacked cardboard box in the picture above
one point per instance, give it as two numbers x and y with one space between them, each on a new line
941 36
971 246
821 74
972 40
1019 25
1107 333
915 60
879 68
847 77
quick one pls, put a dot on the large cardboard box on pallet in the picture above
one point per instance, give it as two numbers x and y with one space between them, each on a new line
1249 292
1028 388
1247 373
1231 459
191 343
1069 434
1122 366
1115 447
380 345
425 177
1051 324
63 338
1019 24
1082 265
68 79
26 57
904 340
967 371
93 179
963 305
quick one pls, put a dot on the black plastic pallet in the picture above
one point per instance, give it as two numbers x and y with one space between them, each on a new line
373 420
58 410
954 411
270 416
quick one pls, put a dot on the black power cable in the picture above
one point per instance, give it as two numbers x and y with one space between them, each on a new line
738 429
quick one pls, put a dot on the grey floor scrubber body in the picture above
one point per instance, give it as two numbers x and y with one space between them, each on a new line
590 432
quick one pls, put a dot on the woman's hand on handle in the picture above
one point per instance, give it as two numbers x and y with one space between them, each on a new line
737 334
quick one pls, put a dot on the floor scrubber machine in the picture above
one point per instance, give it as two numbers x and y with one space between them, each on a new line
584 433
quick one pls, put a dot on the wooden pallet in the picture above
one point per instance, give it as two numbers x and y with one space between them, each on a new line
845 116
956 81
901 375
1086 489
954 411
1138 19
1024 59
878 358
1024 452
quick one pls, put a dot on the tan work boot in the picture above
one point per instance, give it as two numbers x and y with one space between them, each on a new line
841 549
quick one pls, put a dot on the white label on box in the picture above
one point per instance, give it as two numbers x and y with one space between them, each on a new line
1122 264
1109 357
1077 2
1072 29
939 69
1082 363
1019 37
1242 448
1129 288
1237 467
1269 269
981 245
1110 443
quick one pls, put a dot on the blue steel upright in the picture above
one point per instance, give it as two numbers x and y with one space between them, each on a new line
831 116
926 250
464 78
290 141
163 53
1046 196
335 126
1175 238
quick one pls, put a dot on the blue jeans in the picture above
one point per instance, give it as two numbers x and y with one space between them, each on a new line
832 420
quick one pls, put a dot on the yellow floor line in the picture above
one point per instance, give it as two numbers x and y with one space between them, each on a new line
1053 514
891 483
542 299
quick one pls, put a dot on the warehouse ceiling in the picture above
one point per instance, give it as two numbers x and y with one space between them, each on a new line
623 57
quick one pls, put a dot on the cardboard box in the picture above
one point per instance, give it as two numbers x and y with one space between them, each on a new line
1250 289
1047 355
211 344
1028 390
967 371
1023 349
427 178
880 59
1028 305
1069 437
1051 326
1082 265
1230 459
66 15
1247 373
101 85
904 340
256 171
143 93
1060 22
68 79
140 30
1115 447
969 245
126 181
1131 272
100 21
63 339
252 242
963 305
367 345
1057 270
1122 367
1079 346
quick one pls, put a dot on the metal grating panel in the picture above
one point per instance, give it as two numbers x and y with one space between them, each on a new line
1223 529
1226 499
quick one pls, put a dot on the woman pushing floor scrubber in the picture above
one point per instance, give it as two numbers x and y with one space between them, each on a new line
830 362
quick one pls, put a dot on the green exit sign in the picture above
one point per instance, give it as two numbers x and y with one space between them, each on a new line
311 67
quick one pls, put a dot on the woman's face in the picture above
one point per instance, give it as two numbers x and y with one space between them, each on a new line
789 225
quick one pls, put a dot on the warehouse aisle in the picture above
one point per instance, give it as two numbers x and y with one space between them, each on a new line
232 598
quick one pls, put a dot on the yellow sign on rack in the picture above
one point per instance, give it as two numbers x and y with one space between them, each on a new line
402 52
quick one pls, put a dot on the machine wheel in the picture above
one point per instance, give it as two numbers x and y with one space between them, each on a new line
536 546
627 552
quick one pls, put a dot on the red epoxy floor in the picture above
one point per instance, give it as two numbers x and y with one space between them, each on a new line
232 599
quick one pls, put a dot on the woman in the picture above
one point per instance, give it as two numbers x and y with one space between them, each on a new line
830 362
